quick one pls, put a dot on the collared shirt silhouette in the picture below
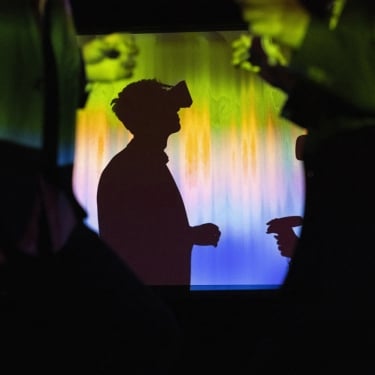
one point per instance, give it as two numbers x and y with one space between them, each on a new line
141 212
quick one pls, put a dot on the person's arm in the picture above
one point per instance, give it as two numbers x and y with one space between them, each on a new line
276 29
285 21
341 61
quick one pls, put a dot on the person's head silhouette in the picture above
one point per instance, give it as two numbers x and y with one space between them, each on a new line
149 107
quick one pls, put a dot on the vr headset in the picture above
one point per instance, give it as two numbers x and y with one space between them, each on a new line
179 95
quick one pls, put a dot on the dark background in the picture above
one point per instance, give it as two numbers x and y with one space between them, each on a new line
139 16
100 17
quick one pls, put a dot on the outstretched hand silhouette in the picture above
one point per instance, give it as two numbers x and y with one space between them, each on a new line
286 238
206 234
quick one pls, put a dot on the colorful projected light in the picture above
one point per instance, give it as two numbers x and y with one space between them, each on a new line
233 159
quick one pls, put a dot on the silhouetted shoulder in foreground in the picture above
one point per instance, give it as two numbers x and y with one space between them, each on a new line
329 67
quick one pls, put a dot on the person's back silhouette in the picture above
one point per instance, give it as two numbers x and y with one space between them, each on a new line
141 213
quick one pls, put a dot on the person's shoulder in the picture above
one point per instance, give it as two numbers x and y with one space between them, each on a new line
121 161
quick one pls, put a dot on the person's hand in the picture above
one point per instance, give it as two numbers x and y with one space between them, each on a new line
206 234
286 239
110 57
259 55
286 243
241 53
284 21
255 53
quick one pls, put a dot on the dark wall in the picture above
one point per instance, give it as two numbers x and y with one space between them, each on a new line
155 16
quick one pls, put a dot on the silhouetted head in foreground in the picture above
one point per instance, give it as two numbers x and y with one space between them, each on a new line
148 108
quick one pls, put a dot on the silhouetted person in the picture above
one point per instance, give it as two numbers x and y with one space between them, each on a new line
141 213
68 304
327 295
286 237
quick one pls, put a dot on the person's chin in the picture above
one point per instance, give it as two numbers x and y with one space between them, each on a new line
176 129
